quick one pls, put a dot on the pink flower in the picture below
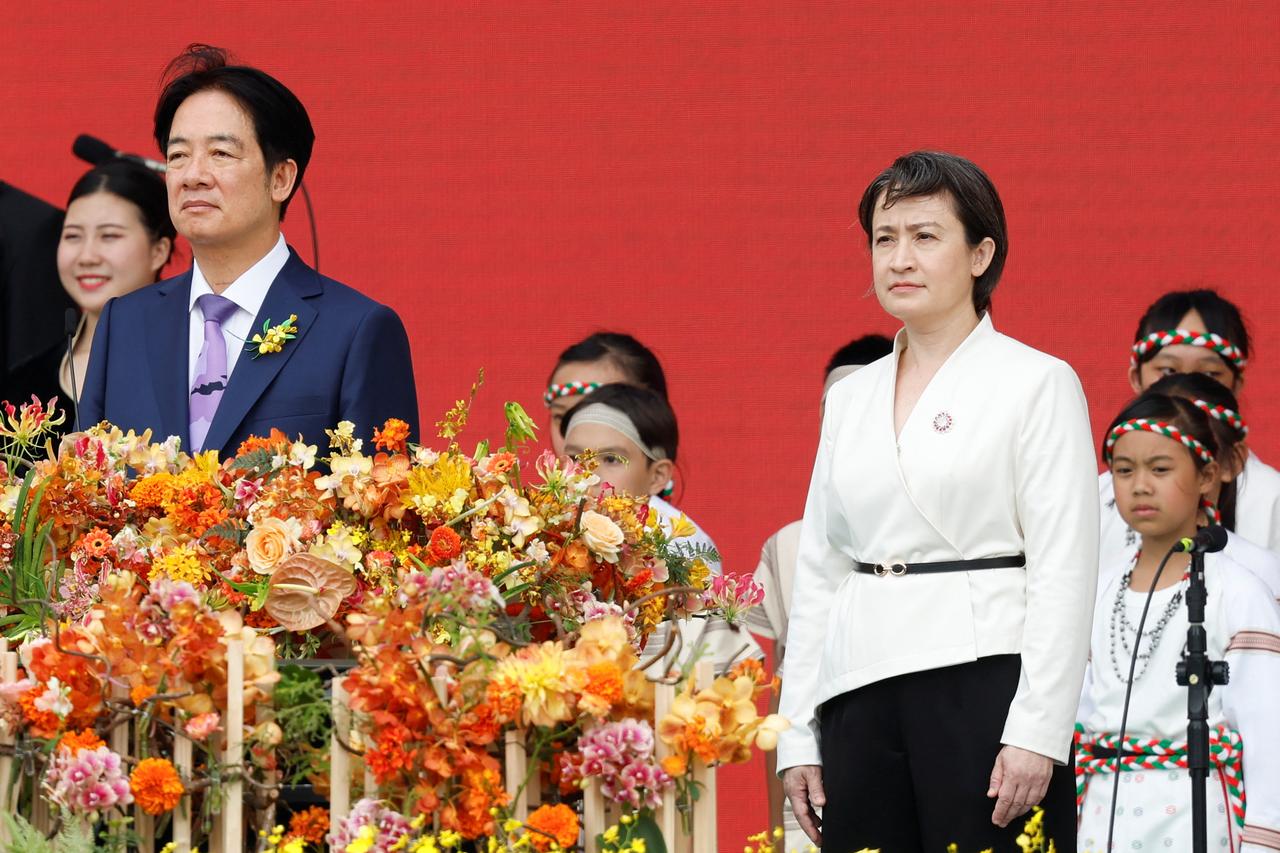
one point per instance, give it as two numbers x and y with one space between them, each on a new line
732 596
620 755
201 726
87 782
390 826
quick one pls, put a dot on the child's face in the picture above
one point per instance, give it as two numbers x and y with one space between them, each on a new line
1182 358
619 461
1157 485
603 372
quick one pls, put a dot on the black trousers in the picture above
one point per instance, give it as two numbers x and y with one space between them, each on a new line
906 763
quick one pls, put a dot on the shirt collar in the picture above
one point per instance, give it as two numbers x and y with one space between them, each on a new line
249 291
984 328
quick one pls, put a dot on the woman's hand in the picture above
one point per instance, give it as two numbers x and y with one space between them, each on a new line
1018 782
803 785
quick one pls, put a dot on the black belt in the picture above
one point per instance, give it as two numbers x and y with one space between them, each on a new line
1013 561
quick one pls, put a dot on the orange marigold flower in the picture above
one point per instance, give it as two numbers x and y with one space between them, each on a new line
141 693
555 825
96 544
445 544
73 742
45 723
392 436
156 786
505 696
311 825
602 688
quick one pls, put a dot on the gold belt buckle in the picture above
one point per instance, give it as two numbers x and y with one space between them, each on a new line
896 569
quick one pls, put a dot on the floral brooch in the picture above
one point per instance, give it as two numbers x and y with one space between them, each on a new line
273 338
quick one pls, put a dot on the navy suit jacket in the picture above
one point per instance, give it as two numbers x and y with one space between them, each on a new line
350 361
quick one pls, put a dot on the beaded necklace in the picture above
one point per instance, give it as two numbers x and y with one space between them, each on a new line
1121 627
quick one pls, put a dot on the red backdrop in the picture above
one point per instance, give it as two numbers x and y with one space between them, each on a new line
513 176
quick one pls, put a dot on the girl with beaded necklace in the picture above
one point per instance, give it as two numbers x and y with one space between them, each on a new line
1118 542
1159 453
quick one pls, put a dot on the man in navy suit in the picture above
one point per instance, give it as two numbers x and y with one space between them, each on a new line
178 357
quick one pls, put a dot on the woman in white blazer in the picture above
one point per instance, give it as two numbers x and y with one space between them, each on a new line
945 583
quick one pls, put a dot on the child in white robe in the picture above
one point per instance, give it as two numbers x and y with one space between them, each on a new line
1158 450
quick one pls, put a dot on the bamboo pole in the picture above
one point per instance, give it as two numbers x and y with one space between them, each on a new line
516 769
593 822
668 818
704 810
8 675
339 758
184 762
233 757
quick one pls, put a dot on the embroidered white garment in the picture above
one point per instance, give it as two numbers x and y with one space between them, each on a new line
1242 625
1009 469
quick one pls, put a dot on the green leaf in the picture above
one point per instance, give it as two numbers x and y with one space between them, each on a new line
520 427
647 828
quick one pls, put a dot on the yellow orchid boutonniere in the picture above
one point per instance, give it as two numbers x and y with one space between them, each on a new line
273 338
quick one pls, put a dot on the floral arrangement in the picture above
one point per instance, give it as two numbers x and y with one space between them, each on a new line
481 596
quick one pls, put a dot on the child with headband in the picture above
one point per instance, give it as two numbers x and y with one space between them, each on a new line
633 434
1118 542
1159 452
1197 331
611 358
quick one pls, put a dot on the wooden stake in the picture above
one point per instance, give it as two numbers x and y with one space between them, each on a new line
515 771
233 757
339 758
184 762
704 810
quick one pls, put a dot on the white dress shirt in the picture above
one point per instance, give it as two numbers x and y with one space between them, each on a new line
995 459
248 293
1258 503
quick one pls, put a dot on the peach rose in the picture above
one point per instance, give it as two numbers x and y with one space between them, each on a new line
270 541
602 535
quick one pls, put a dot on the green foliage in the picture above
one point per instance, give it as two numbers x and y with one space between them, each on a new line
303 714
24 587
25 838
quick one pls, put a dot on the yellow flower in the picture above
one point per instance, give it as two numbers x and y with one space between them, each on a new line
682 527
363 842
181 564
441 488
539 673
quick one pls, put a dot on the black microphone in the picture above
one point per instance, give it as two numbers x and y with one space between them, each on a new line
1208 540
93 150
71 322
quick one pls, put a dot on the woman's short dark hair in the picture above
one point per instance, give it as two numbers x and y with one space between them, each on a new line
1190 420
136 184
280 121
649 411
1220 316
636 361
977 205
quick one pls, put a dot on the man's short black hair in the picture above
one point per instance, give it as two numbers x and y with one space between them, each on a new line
860 351
279 119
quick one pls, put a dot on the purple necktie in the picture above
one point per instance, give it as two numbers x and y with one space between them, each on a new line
211 366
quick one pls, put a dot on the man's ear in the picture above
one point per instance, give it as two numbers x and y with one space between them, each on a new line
284 176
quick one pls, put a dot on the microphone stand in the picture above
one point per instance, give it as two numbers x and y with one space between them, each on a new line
1198 674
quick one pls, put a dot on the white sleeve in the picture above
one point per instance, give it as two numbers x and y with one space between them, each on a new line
820 567
1057 503
760 619
1250 701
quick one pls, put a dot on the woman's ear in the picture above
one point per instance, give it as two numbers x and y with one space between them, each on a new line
1234 463
659 475
981 256
160 251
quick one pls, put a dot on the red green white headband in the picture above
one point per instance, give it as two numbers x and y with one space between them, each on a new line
568 389
1168 430
1157 341
1227 416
